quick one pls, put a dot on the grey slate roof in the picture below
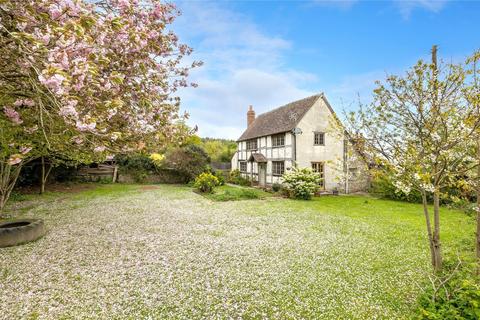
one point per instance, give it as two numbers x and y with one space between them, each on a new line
279 120
257 157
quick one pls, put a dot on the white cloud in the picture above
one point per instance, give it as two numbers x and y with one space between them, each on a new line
219 106
243 66
407 6
352 89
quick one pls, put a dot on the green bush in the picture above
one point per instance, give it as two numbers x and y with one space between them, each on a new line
276 187
301 183
235 177
220 176
138 165
455 296
455 196
205 182
188 161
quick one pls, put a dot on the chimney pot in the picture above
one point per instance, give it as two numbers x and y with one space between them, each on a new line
250 115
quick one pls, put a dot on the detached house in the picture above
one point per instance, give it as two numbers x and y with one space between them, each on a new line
303 133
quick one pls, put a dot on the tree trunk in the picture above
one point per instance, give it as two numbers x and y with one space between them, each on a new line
45 174
42 178
8 178
436 231
429 228
478 207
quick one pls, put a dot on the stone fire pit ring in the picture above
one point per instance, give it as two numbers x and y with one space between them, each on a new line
20 231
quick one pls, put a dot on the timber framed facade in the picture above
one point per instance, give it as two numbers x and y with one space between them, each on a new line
304 133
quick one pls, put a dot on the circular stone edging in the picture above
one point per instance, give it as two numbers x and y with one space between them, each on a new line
20 231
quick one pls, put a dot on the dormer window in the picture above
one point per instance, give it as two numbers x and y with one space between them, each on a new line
278 140
252 144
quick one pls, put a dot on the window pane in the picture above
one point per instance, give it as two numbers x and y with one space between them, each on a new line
319 139
278 140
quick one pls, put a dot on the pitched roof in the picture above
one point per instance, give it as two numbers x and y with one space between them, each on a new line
257 157
279 120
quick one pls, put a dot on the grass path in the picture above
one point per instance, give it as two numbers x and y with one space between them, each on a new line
129 252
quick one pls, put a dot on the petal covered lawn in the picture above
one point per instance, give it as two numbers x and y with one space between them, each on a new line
136 252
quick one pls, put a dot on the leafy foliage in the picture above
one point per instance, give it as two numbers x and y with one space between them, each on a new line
138 165
235 193
301 183
235 177
188 161
219 150
454 296
276 187
220 176
205 182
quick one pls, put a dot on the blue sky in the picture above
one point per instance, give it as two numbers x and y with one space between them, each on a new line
270 53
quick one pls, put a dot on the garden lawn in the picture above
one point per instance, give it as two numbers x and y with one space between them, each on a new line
165 252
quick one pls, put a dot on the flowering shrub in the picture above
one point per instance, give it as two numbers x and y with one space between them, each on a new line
157 159
205 182
301 183
87 77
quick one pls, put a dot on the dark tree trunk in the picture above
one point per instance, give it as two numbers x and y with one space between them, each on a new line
42 178
436 232
429 228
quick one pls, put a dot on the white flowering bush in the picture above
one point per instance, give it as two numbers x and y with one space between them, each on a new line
301 183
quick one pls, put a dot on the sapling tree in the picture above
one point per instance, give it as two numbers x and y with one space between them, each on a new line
421 129
472 94
98 77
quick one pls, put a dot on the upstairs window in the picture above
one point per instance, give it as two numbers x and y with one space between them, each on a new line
320 168
278 140
278 168
243 166
319 139
252 144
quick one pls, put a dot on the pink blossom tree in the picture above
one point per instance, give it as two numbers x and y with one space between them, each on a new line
90 78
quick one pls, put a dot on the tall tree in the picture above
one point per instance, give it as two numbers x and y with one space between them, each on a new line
421 130
93 76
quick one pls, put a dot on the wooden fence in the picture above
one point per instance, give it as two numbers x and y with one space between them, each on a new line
103 171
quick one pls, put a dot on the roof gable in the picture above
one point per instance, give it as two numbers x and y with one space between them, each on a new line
279 120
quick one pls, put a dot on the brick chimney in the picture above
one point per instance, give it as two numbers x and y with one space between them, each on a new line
250 116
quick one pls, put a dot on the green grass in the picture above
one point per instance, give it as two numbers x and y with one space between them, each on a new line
127 251
233 193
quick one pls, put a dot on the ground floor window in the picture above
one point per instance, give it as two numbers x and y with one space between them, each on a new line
320 168
243 166
278 168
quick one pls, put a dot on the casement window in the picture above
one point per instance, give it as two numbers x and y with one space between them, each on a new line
319 139
320 168
278 140
278 168
252 144
243 166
